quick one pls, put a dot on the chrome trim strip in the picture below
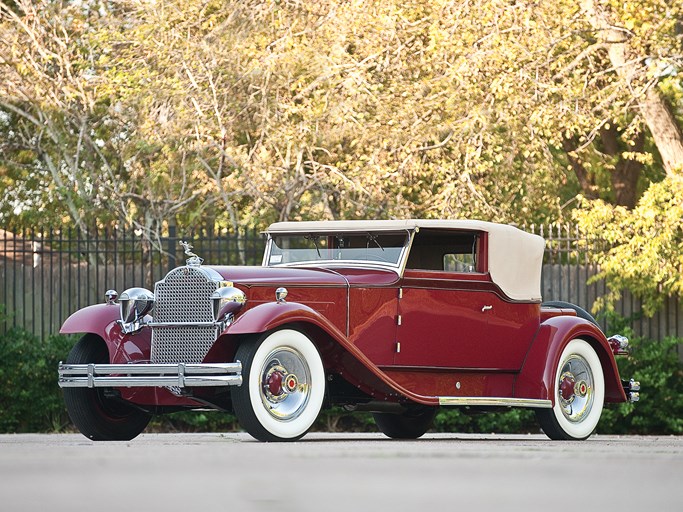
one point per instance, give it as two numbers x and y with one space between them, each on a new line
403 261
152 381
149 375
129 328
348 299
341 263
266 252
495 402
183 324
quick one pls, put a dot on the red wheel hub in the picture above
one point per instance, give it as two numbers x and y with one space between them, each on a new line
567 386
275 383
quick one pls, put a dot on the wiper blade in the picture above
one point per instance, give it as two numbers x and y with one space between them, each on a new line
373 238
314 239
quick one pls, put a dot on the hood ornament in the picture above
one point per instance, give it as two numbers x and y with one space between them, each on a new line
193 260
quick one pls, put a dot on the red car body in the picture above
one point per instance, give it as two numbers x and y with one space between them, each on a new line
392 339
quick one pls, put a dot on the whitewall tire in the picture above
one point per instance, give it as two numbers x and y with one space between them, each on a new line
579 394
283 385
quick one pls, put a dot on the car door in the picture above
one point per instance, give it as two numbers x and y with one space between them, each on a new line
451 315
443 321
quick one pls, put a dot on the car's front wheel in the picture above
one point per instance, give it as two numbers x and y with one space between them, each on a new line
407 425
283 385
579 394
96 415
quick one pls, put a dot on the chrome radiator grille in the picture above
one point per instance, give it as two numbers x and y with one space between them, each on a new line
183 296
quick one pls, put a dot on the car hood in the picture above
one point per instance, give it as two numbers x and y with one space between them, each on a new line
269 276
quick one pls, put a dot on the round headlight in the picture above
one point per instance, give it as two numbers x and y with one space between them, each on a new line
227 300
135 304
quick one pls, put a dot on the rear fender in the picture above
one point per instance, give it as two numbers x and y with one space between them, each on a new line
538 371
101 320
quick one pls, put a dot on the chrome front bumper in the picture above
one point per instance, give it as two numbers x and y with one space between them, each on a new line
149 375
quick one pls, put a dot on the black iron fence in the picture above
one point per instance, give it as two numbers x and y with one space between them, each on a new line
45 276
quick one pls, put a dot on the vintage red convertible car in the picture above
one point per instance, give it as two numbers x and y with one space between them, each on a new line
395 317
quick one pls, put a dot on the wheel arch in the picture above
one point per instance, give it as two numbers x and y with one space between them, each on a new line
270 317
96 319
97 338
535 379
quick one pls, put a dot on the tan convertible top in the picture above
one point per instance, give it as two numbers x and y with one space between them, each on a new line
515 257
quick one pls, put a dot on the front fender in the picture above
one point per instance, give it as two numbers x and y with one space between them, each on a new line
101 319
266 317
271 315
538 371
96 319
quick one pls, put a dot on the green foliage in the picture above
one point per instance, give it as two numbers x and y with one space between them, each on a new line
30 399
336 419
644 252
194 421
514 421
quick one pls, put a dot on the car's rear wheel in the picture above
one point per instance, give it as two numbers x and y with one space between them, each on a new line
283 385
407 425
579 394
98 417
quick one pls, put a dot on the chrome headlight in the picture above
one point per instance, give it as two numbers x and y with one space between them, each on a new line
135 304
227 300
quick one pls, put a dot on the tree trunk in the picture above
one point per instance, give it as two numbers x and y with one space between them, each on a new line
626 172
586 181
664 128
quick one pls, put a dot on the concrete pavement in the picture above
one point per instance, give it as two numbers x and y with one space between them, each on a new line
340 472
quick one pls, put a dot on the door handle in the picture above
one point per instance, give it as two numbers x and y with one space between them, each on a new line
486 308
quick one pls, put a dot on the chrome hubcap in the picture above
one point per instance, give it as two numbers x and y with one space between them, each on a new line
575 389
285 384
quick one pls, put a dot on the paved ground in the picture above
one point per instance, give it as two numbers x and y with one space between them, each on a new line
340 472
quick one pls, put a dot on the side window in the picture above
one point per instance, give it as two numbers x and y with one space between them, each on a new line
445 251
459 262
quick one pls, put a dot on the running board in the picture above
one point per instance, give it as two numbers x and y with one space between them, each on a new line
494 402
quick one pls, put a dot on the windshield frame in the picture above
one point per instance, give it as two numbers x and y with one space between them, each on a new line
398 267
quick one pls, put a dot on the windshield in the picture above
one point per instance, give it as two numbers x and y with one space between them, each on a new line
380 248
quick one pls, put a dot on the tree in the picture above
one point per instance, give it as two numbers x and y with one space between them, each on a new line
51 142
642 50
245 112
71 154
643 44
644 246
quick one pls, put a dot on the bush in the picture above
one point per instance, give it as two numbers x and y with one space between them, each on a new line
194 421
656 364
514 421
30 398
